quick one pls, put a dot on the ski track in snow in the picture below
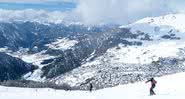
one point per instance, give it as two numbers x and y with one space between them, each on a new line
168 87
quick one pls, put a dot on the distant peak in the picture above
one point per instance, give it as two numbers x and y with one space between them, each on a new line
176 21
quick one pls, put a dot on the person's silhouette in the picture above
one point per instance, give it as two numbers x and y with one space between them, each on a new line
91 87
153 84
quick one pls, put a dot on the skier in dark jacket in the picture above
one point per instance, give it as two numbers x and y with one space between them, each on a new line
91 87
153 83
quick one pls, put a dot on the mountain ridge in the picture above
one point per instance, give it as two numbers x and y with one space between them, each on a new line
105 56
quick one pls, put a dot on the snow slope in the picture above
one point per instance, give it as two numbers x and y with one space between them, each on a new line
173 20
168 87
62 44
3 49
166 34
176 21
145 54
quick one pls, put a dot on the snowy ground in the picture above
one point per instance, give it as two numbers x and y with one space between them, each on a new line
168 87
145 54
62 44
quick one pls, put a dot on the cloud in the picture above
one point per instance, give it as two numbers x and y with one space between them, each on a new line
121 11
93 12
40 16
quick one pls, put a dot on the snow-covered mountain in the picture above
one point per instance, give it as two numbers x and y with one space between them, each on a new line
103 55
13 68
54 48
157 49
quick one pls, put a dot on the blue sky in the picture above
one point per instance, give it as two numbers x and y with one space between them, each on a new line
51 6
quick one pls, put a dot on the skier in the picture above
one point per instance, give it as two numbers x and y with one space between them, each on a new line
91 87
153 83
